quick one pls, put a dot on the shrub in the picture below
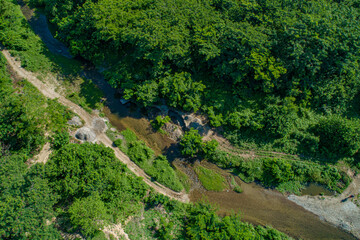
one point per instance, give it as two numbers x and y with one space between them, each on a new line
159 122
89 214
192 145
158 167
60 139
338 135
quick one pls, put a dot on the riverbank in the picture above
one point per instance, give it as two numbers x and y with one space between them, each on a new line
261 206
283 214
340 210
49 91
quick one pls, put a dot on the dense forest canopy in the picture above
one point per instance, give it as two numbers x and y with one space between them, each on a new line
254 66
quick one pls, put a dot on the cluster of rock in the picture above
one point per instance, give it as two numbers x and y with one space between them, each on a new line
75 121
88 134
85 134
180 122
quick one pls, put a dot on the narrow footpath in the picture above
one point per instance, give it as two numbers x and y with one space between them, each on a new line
49 91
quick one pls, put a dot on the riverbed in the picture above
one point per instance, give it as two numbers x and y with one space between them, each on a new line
255 204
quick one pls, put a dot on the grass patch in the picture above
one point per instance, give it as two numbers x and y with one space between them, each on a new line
210 179
184 179
235 186
284 174
86 94
157 167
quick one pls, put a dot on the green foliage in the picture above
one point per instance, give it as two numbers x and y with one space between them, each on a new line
17 36
162 219
254 67
203 223
159 122
129 136
118 142
26 201
210 179
192 144
339 136
89 213
89 96
25 114
215 120
181 91
285 175
158 167
60 139
235 186
184 179
79 171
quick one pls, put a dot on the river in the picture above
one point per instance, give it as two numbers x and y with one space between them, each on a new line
256 204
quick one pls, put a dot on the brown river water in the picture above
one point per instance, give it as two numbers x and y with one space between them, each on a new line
255 204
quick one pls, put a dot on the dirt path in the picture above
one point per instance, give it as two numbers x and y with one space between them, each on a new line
116 232
42 157
340 210
49 91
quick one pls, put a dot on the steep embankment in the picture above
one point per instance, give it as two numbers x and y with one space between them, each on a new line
49 91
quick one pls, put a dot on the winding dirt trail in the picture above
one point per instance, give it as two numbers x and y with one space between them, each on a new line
49 91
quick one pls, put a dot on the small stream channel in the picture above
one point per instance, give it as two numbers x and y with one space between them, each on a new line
256 204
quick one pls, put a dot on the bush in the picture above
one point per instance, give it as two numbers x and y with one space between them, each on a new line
159 122
118 142
156 167
284 174
235 186
77 171
192 145
89 214
60 139
338 135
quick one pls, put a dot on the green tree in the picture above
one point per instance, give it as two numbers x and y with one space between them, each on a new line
338 135
60 139
90 214
191 143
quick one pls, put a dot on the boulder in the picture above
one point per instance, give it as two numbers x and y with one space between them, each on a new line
75 121
85 134
195 123
99 125
173 130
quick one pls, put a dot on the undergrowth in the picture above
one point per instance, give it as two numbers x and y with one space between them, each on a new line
158 167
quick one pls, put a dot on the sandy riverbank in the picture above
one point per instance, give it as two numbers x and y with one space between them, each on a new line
343 214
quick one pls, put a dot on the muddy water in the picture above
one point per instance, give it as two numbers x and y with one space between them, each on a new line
314 189
129 115
268 207
256 204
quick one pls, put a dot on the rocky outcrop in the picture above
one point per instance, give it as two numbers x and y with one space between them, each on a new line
75 121
173 130
99 125
195 123
85 134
